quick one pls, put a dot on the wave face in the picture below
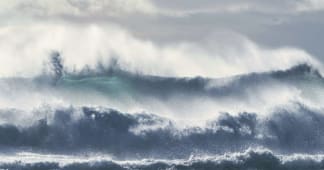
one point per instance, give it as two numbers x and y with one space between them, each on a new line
109 118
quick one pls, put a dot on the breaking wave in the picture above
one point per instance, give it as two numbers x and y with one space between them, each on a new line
249 159
109 118
197 98
146 135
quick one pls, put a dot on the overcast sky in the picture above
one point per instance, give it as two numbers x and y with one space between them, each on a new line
223 29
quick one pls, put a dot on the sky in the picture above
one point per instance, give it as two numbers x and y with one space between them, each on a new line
212 38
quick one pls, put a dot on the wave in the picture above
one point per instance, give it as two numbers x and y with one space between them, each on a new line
93 111
145 135
164 86
108 100
249 159
171 97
